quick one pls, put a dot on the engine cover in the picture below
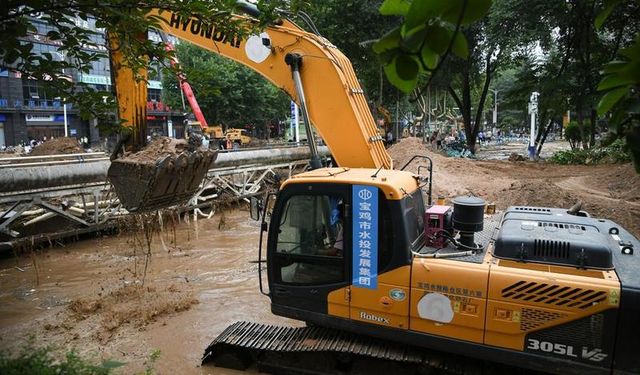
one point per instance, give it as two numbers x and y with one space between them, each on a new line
551 235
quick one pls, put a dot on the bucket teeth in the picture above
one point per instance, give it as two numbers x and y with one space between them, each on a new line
170 180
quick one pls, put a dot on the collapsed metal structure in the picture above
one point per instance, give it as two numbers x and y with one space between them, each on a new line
74 187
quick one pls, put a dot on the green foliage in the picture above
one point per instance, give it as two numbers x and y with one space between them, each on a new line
125 19
573 135
227 92
151 361
32 360
620 82
430 30
617 152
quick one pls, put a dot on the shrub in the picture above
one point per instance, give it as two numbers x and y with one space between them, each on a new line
31 360
616 152
572 134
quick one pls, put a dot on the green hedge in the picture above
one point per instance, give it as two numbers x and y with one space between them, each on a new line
616 152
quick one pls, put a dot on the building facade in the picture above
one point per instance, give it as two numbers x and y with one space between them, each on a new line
28 112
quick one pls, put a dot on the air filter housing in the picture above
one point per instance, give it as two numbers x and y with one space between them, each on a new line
468 218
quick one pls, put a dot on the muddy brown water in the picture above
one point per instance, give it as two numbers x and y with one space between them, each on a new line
214 266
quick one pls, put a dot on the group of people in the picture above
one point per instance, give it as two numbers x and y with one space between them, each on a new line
440 139
33 143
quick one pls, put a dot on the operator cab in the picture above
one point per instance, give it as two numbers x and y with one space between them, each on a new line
335 227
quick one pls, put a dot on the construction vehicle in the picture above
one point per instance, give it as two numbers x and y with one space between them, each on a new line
214 132
238 137
355 250
199 127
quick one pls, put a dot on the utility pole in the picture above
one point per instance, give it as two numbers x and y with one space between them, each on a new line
495 109
64 114
397 127
428 126
533 111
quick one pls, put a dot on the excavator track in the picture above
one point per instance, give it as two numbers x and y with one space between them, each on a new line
320 350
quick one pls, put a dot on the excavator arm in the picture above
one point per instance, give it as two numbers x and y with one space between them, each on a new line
312 71
327 85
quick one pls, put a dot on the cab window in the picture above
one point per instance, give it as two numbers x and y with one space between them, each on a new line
310 246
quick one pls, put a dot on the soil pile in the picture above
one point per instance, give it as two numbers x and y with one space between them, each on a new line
407 148
156 149
607 191
57 146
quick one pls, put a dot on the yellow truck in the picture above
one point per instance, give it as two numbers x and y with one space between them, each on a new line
238 137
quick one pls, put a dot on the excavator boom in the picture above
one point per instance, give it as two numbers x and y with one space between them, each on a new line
338 109
303 64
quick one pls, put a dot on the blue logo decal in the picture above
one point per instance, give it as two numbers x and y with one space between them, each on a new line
365 236
397 294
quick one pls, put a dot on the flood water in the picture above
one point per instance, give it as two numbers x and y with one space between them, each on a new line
213 263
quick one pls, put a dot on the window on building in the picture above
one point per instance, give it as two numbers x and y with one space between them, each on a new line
154 95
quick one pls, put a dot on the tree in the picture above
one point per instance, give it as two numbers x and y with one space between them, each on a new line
621 77
126 19
431 30
353 26
227 92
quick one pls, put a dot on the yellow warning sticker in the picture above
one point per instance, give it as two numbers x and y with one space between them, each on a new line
456 306
515 316
614 297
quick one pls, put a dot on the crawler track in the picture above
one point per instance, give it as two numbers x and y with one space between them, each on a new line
319 350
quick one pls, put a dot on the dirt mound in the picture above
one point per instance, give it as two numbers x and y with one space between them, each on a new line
407 148
157 148
535 193
607 191
516 157
57 146
620 181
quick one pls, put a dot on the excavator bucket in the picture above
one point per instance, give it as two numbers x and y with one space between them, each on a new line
164 174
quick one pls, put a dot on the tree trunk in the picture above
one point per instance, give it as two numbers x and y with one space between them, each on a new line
471 129
543 137
592 128
583 142
381 88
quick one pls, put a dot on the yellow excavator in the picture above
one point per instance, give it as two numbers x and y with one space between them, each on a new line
360 253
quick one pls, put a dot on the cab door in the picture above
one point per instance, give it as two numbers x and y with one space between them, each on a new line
309 249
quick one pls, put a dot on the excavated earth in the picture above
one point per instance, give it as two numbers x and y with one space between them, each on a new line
609 191
155 149
202 276
64 145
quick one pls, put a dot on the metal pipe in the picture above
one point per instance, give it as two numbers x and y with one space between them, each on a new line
40 218
45 163
58 156
31 178
28 178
